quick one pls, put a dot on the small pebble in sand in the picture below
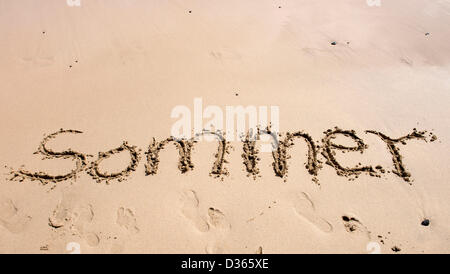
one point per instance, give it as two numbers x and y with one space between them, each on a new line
426 34
396 249
190 11
425 222
333 43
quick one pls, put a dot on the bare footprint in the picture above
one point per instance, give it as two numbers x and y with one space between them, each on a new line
83 215
217 219
60 216
71 216
219 222
190 210
305 208
126 218
11 218
354 226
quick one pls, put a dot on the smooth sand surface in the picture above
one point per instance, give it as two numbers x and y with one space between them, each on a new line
115 69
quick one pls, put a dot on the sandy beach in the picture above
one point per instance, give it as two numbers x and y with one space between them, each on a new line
357 94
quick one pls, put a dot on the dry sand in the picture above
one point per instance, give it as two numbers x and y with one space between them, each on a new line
115 69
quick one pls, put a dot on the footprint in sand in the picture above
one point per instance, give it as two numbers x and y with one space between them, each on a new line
11 218
305 208
190 210
221 227
354 226
215 222
72 216
126 218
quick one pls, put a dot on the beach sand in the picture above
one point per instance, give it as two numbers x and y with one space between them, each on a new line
112 71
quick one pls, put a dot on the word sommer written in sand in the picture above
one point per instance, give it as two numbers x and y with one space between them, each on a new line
250 156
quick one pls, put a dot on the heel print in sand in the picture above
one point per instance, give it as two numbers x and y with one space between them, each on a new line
11 218
305 208
190 210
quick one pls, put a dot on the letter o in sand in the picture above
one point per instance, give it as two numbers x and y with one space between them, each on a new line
100 176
